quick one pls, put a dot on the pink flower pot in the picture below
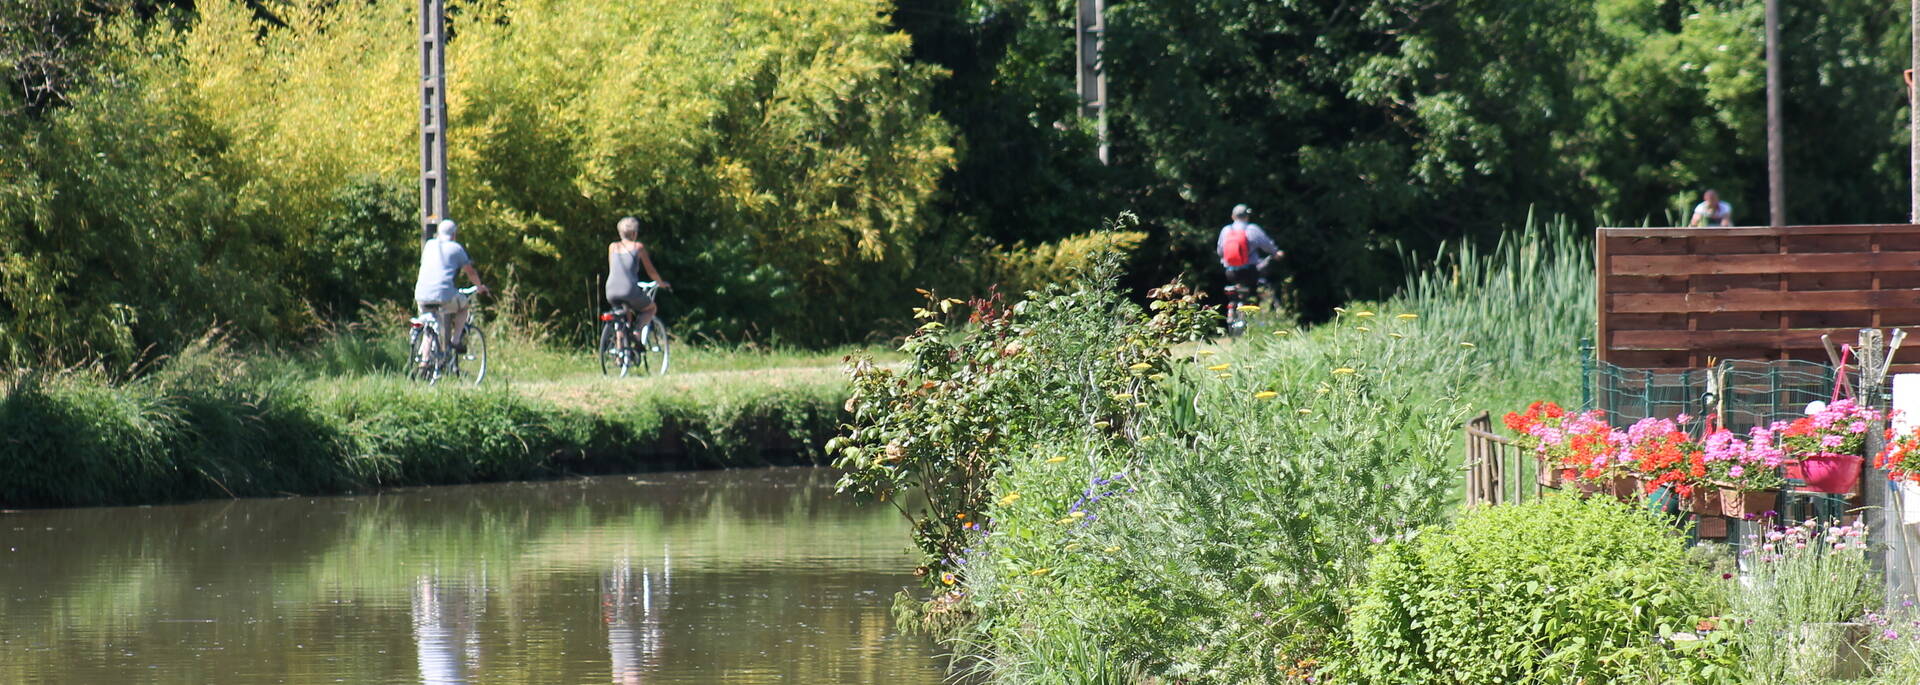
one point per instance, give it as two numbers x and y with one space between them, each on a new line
1831 473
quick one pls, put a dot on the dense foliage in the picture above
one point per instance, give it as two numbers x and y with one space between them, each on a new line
800 167
1356 125
1555 590
239 171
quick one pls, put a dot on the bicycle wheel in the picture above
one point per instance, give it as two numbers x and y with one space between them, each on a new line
654 352
609 348
1236 321
420 346
475 356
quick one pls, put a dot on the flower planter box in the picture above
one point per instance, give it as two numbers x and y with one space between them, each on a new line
1547 475
1742 504
1705 501
1624 489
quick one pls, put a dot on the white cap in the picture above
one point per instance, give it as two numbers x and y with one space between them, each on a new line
1242 210
448 228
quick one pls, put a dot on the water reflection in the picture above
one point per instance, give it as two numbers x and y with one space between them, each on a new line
634 631
740 577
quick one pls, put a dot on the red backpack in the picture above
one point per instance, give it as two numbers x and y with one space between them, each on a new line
1235 253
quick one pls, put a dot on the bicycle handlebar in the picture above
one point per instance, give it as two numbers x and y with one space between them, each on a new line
470 290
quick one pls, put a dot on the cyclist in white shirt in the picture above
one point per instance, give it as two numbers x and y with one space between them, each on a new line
441 259
1712 212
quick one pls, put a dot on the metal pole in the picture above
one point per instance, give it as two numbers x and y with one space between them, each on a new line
1776 162
1090 27
1913 122
433 115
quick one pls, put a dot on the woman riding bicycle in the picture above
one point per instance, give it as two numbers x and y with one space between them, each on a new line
625 259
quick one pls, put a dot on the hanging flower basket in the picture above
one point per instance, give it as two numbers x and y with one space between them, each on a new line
1831 473
1747 504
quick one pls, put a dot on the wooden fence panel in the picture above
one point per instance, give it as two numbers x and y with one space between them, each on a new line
1676 297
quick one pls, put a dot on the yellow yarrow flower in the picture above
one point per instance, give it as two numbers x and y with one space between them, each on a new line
1077 515
1113 549
1223 375
1219 367
1140 366
1066 520
1362 329
1406 316
1122 396
1205 353
1363 314
1395 336
1139 405
1280 333
1249 307
1342 371
1265 395
1040 571
1010 498
1157 377
1304 412
1056 460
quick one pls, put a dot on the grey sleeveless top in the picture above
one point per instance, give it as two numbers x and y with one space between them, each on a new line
623 282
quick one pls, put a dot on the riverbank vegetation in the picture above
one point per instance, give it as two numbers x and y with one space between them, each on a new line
338 417
1284 508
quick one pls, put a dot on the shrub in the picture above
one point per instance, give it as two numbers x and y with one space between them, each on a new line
1555 590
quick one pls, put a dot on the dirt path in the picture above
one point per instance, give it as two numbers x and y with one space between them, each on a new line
594 391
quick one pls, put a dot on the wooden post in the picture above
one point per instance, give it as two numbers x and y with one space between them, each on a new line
1913 122
1776 154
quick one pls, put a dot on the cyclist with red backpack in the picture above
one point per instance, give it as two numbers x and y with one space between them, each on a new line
1240 246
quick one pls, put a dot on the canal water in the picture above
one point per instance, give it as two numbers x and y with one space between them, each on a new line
752 576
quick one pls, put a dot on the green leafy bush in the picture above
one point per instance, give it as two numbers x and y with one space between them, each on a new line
1556 590
1066 363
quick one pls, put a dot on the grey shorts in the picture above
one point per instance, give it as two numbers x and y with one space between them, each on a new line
636 301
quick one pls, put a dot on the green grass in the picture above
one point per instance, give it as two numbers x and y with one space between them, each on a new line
337 417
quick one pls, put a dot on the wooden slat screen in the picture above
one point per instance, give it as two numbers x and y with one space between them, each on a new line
1673 297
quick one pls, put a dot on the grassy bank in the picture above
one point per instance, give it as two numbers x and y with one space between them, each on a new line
338 418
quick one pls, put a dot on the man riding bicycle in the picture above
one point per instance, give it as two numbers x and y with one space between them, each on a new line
1239 247
440 260
625 259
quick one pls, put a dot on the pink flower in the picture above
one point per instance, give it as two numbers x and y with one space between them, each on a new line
1737 471
1831 440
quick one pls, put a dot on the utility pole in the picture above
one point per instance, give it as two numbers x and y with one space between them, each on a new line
433 115
1090 29
1776 162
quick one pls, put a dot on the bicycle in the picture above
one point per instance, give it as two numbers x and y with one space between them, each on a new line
622 349
1236 320
429 359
